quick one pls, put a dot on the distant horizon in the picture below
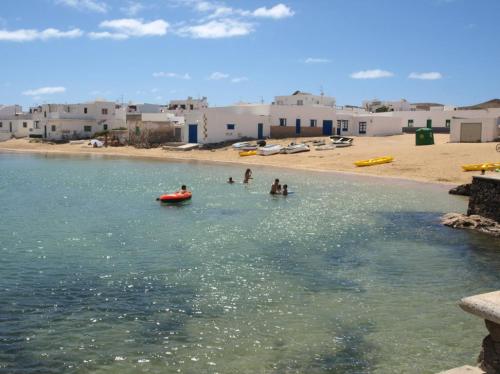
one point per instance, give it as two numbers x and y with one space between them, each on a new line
159 50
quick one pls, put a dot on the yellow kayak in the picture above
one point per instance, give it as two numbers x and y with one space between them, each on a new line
479 167
374 161
248 153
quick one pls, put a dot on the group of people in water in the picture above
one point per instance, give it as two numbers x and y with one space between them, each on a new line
276 188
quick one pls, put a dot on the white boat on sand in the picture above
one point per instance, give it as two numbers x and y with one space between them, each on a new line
296 148
341 141
240 145
271 149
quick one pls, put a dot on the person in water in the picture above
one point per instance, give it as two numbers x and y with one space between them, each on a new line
230 180
183 189
285 190
248 176
274 187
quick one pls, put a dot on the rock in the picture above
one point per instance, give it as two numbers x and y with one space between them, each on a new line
472 222
463 190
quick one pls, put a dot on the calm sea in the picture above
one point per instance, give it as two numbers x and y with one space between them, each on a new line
346 275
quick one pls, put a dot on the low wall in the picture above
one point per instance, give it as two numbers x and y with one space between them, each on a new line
436 130
278 132
485 197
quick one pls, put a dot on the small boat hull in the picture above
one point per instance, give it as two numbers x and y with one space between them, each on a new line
480 167
269 150
374 161
296 148
175 197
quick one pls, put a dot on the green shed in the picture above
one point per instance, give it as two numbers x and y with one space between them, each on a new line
424 136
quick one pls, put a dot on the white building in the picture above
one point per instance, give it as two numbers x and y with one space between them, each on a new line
74 121
296 115
480 127
14 122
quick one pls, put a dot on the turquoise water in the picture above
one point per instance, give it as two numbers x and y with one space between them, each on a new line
347 275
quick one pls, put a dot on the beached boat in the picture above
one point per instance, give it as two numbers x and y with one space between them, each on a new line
374 161
240 145
296 148
341 141
326 147
176 197
479 167
248 153
270 149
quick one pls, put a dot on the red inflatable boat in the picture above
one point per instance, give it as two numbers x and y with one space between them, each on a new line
176 197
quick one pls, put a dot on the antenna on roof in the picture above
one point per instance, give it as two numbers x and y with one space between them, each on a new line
262 99
322 93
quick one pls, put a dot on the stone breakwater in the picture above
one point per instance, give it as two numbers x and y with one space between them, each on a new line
473 222
485 197
483 213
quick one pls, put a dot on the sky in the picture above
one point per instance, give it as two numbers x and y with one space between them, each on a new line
66 51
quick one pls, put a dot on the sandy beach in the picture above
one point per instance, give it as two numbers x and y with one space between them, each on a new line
439 163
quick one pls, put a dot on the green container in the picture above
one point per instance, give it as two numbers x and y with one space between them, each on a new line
424 137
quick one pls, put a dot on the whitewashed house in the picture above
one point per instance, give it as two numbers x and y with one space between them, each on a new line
14 122
75 121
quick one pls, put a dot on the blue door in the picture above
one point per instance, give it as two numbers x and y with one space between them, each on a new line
193 133
260 131
327 127
297 126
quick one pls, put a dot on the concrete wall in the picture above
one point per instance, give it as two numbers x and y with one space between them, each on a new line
301 99
489 128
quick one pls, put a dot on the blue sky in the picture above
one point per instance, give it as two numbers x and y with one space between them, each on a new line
155 50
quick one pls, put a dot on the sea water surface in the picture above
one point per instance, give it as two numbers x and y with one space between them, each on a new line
346 275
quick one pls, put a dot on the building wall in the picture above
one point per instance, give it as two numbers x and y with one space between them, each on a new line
302 99
20 126
212 122
489 128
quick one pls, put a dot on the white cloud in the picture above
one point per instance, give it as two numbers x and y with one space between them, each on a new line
239 79
430 76
372 74
130 27
44 91
277 12
163 74
224 28
27 35
132 8
216 76
85 5
314 60
107 35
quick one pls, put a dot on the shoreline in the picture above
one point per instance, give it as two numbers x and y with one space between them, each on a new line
439 164
444 185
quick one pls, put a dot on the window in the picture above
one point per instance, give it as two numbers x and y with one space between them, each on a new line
85 110
282 121
53 128
314 123
45 114
362 127
105 127
87 128
448 123
25 124
343 124
230 126
191 106
300 102
37 125
104 111
1 124
410 123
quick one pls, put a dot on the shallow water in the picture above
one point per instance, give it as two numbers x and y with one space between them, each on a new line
347 275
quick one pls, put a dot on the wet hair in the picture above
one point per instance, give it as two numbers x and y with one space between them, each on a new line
183 187
285 186
276 180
